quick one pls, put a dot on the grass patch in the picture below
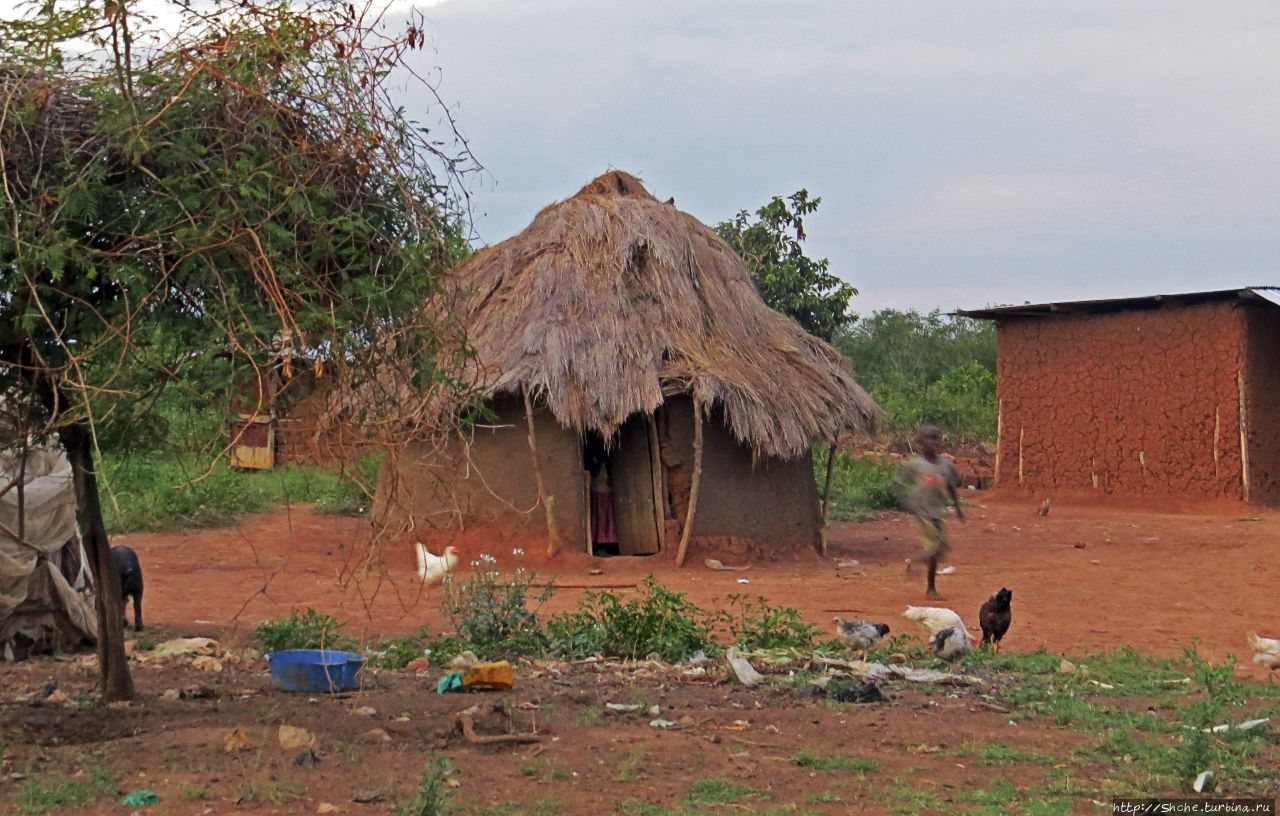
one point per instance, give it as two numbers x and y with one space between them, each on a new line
431 797
147 490
989 754
632 766
55 793
834 764
907 798
720 792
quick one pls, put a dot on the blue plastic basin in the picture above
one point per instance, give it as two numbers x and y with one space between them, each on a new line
315 671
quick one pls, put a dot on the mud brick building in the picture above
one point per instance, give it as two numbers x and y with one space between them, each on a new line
1170 395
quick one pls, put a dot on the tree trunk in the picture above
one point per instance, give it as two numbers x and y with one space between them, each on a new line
113 668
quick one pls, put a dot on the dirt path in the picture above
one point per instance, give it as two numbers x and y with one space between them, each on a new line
1155 581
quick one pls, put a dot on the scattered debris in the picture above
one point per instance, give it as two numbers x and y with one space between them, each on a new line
498 676
623 708
1247 725
1044 508
743 581
366 711
464 660
877 672
848 690
595 571
369 797
849 564
235 740
1202 782
207 663
307 758
291 737
743 670
140 798
947 570
375 735
465 722
450 682
179 647
661 724
717 564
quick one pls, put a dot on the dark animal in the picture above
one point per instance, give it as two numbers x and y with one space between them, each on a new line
861 635
995 617
126 563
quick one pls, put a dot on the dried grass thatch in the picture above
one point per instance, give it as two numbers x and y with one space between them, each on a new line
611 300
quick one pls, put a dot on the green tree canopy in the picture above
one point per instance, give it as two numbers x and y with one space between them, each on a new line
771 244
182 204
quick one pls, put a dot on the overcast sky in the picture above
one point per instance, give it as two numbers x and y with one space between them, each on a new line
966 153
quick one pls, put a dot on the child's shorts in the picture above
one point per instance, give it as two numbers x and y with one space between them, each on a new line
933 536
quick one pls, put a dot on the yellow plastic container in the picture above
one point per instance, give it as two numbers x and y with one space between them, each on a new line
497 676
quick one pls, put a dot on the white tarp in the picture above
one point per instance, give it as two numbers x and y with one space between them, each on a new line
42 560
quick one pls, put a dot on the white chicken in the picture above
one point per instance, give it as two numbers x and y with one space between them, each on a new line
935 619
432 569
1266 652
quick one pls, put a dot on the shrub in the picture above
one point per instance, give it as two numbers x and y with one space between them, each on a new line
305 630
755 624
492 615
397 652
660 622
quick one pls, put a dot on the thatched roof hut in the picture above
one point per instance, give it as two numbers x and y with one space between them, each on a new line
611 301
617 315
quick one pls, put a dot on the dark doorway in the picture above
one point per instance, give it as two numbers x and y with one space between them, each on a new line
622 506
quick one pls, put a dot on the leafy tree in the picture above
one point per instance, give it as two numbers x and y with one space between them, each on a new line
189 206
789 281
926 367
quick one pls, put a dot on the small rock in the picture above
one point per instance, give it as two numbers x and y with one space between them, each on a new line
58 697
1095 561
375 735
325 807
1066 667
661 723
687 721
654 710
291 737
595 571
898 658
366 711
1079 545
170 694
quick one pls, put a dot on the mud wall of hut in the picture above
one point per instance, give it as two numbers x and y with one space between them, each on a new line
1139 403
1263 386
485 496
765 504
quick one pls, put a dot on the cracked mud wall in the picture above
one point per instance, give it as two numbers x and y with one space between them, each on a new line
1140 402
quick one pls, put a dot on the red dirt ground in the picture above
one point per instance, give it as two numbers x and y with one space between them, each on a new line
1150 579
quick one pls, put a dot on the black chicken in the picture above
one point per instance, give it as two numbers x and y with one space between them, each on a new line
995 616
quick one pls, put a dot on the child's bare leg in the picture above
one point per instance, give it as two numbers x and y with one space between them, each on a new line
932 590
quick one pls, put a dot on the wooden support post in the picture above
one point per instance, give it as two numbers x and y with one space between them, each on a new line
693 489
1217 437
1244 438
1021 436
999 440
553 543
586 492
826 499
659 483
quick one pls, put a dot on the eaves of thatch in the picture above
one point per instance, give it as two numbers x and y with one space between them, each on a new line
611 301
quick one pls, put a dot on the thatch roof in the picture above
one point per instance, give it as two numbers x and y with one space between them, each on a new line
611 300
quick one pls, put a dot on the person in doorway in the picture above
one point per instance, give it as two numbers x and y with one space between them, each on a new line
928 482
604 520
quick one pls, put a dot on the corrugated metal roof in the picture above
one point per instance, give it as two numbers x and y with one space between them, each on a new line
1271 294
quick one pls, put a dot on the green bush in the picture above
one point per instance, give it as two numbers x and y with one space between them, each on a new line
858 486
755 624
302 630
397 652
491 613
660 622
